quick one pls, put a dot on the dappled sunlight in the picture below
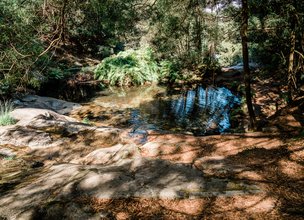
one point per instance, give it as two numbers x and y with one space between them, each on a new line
293 170
178 152
189 207
180 175
250 175
188 110
114 171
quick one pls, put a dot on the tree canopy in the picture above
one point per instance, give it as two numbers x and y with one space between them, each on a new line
187 37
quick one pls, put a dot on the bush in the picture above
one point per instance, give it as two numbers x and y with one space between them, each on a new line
170 70
130 67
230 53
135 67
6 107
20 46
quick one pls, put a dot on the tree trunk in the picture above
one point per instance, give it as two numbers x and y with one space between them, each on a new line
290 73
247 77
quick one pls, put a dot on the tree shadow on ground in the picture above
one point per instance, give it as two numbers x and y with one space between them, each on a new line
62 190
211 177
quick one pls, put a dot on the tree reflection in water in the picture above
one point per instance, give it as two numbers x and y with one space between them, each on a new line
201 111
206 110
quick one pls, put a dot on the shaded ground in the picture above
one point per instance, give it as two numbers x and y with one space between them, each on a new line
257 176
53 167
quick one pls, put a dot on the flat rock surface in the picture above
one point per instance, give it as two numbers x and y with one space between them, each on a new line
57 105
137 177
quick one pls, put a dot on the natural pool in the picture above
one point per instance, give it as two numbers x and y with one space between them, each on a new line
201 110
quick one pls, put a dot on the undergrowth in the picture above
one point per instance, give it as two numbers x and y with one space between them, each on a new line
132 67
6 107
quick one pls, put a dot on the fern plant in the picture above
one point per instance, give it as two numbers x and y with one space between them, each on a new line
131 67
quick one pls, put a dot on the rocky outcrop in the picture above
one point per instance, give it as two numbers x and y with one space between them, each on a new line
35 128
26 137
56 105
61 161
136 177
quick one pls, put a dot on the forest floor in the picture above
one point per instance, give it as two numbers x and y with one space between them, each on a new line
54 167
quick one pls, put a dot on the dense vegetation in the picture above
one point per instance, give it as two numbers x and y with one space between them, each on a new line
45 40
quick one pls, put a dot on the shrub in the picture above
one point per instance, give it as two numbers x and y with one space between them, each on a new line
170 70
5 108
130 67
229 53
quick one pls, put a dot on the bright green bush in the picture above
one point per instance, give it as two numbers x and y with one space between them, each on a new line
130 67
6 107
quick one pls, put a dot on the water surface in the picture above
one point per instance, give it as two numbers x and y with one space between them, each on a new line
200 111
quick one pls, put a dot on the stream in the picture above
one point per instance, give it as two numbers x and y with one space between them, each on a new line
199 111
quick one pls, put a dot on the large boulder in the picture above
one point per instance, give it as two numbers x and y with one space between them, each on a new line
25 116
57 105
42 128
35 128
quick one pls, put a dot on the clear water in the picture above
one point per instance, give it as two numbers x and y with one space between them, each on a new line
200 111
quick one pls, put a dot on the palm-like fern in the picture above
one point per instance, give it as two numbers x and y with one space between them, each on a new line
129 67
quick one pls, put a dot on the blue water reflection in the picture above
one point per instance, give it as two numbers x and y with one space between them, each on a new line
201 111
206 108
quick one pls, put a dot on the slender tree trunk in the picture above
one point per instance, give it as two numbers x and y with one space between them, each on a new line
198 40
290 73
44 8
62 22
247 77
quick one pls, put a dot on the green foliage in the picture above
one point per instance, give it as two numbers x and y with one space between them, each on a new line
9 158
56 73
131 67
29 29
60 73
20 46
230 53
170 70
183 33
6 107
87 121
